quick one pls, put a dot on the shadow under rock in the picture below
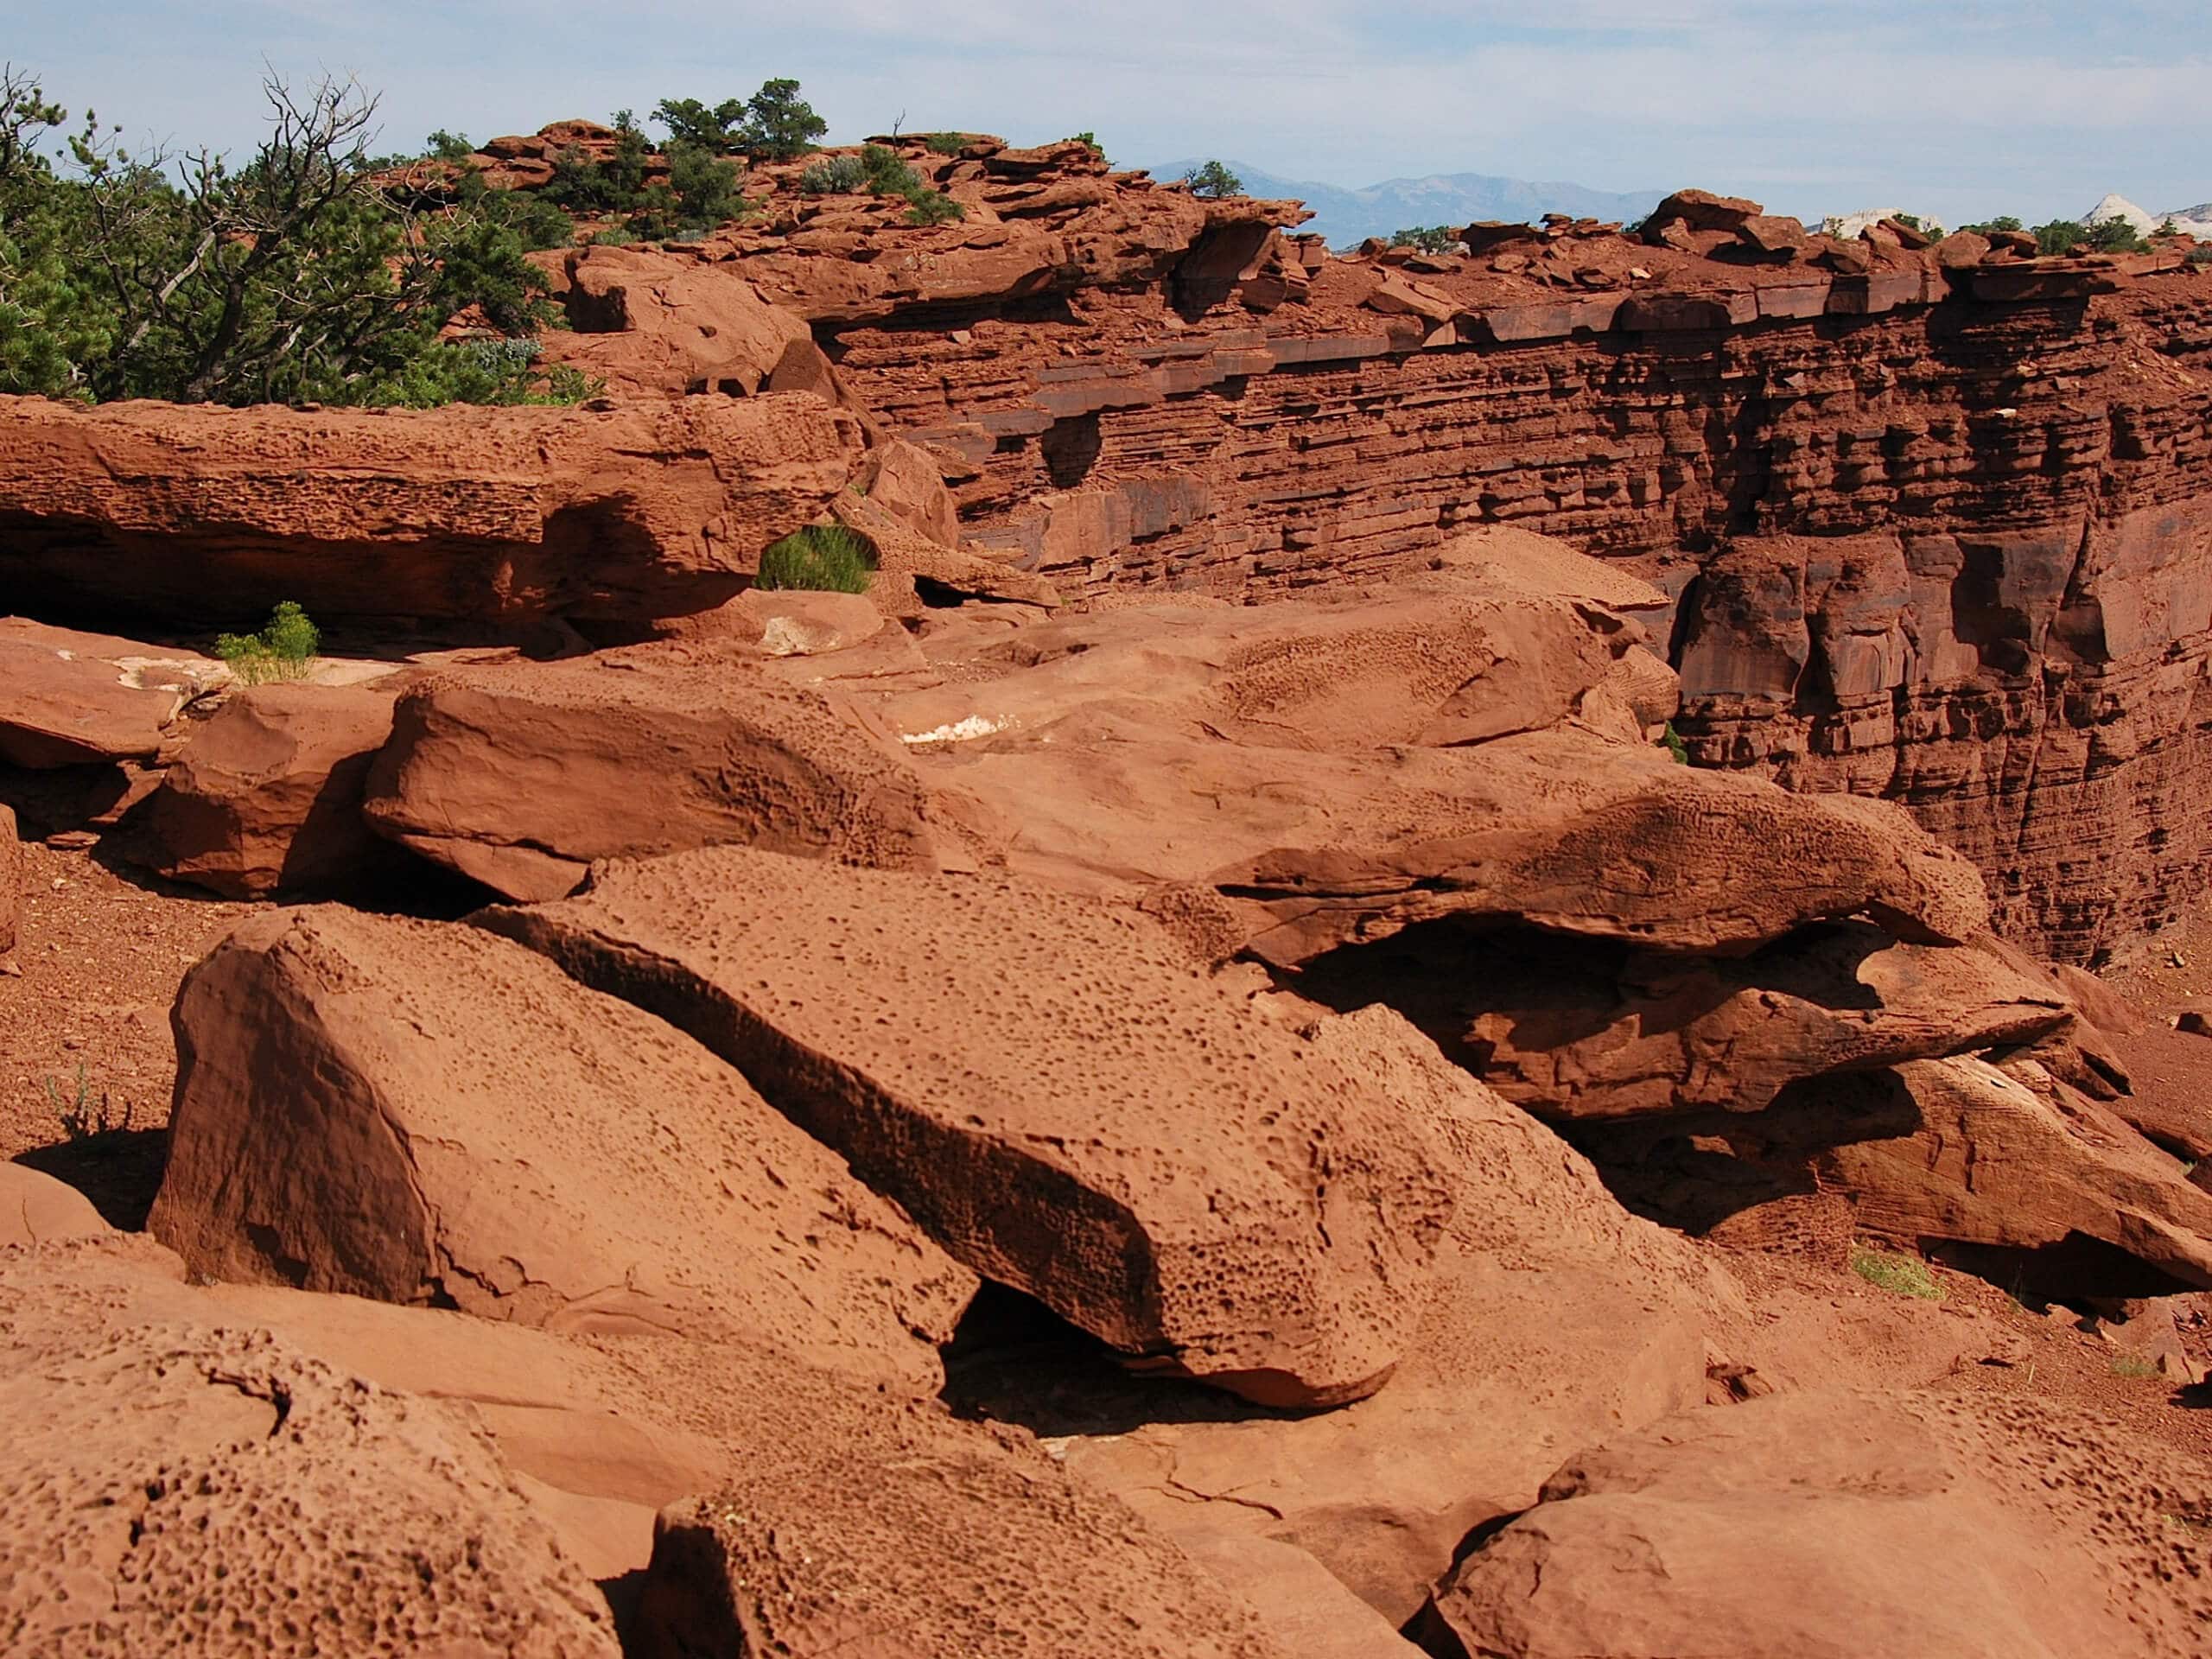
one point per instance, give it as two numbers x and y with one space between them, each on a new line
1013 1360
119 1170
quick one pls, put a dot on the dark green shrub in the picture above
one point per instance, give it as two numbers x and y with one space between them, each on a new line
1212 179
1429 239
2002 222
2060 236
1671 740
1090 138
820 559
284 650
2201 256
834 175
718 129
933 207
946 143
886 173
779 125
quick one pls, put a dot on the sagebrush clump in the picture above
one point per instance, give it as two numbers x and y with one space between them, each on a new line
1904 1276
284 649
819 558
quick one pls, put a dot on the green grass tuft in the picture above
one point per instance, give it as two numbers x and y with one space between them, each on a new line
1905 1275
2133 1365
820 559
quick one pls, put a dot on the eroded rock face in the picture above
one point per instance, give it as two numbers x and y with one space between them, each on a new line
1117 1139
266 797
1571 1029
519 776
494 517
178 1486
1757 1531
423 1113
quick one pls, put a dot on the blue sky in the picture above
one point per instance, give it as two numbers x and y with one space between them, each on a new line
1961 110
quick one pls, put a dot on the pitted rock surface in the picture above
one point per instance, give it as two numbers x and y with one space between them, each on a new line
182 1487
1054 1093
424 1113
520 777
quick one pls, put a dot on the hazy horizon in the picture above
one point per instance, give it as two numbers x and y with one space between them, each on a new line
1812 106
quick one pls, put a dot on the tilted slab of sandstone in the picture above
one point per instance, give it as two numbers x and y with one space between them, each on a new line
1558 1318
183 1485
1614 842
73 699
1055 1093
488 517
1570 1028
421 1112
520 776
1776 1528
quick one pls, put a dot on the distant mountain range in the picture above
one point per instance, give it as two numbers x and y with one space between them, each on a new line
1455 199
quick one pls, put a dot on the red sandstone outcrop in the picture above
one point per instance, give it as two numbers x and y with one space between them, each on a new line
266 797
186 1487
423 1113
492 517
520 776
1821 1526
1116 1138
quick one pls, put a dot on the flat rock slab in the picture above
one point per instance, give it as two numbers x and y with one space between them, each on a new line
180 1487
421 1112
1611 842
1054 1092
266 797
1831 1526
492 517
72 699
37 1208
519 776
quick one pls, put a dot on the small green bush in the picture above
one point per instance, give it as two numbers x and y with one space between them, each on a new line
819 558
886 173
2201 256
834 175
1429 239
84 1115
284 650
1905 1275
1090 138
934 207
946 143
1671 740
1213 179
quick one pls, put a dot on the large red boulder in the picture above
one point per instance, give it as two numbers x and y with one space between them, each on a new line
422 1112
267 797
1053 1091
